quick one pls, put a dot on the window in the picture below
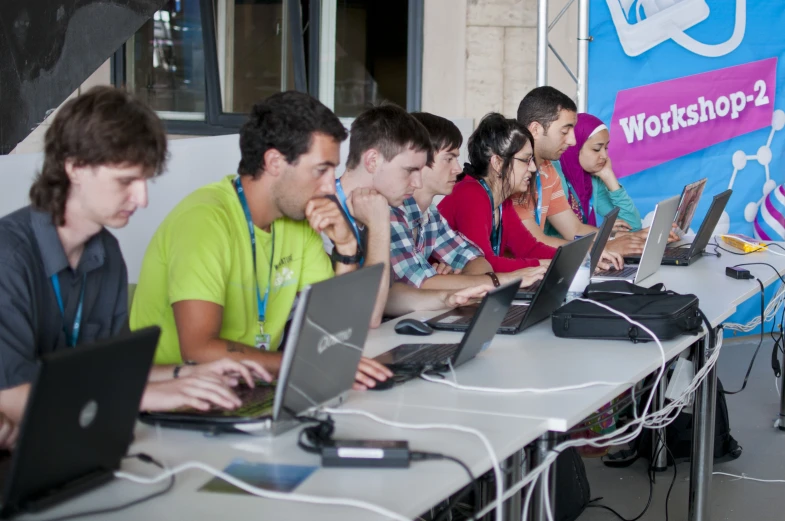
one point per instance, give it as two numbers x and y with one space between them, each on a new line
202 64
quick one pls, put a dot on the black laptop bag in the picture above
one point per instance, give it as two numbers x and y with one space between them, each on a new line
666 313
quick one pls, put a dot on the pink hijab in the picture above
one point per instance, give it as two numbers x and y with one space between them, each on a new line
576 176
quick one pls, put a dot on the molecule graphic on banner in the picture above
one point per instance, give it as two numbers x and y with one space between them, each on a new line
767 215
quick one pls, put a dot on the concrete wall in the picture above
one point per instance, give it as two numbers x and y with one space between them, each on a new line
480 55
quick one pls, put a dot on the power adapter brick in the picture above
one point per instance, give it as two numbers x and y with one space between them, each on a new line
366 453
738 273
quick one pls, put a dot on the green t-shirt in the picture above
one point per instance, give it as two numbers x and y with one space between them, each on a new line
202 251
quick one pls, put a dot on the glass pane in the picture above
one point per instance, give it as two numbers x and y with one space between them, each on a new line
370 54
259 48
166 61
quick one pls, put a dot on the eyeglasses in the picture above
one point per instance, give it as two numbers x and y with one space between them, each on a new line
527 162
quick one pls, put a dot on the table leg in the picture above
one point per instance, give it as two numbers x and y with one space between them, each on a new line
541 449
514 473
659 461
702 460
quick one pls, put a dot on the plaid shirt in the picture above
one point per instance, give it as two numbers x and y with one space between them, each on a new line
409 257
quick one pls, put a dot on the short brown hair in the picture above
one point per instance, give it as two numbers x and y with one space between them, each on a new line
389 129
104 126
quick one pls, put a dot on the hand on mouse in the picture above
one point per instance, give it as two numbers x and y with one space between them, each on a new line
368 372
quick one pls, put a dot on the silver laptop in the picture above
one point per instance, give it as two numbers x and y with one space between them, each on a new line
652 250
320 359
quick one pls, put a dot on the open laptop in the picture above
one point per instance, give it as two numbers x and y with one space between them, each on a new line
549 296
603 234
684 255
78 421
411 359
653 249
320 359
690 197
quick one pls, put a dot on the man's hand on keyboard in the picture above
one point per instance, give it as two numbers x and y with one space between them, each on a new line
198 392
627 244
610 260
368 372
229 371
528 276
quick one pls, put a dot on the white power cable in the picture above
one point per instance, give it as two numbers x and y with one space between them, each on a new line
269 494
660 418
531 390
497 472
745 477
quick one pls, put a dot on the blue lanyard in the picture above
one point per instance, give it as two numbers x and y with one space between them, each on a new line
496 233
538 213
261 303
584 215
342 199
72 337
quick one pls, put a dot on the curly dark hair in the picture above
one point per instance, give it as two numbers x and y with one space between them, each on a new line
286 122
497 136
104 126
389 129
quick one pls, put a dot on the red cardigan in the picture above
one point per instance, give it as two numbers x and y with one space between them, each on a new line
468 211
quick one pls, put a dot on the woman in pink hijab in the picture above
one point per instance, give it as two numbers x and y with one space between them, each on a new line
592 188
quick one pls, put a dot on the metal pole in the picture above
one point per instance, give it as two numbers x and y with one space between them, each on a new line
512 509
542 42
702 460
583 55
781 422
659 461
542 447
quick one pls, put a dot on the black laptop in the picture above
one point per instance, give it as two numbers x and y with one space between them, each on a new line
320 358
686 254
78 421
548 297
408 360
527 293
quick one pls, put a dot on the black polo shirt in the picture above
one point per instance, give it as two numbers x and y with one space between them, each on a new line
31 323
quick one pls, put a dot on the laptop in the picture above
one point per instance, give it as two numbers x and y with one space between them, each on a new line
684 256
78 421
320 359
653 249
603 234
690 197
408 360
548 298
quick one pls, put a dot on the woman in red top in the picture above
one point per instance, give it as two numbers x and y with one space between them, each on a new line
501 163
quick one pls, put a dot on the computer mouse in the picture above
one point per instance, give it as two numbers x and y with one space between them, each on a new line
382 385
410 326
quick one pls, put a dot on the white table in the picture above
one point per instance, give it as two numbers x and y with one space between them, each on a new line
409 492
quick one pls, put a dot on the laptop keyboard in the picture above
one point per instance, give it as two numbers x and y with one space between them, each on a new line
627 271
514 315
429 354
677 253
256 400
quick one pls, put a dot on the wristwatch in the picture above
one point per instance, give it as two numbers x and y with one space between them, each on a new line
178 368
494 278
346 259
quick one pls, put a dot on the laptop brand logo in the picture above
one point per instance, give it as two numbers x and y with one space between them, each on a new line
88 414
560 281
327 341
659 239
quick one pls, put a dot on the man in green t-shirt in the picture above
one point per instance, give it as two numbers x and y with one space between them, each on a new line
223 270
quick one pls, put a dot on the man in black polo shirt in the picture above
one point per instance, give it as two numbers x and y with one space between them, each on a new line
63 281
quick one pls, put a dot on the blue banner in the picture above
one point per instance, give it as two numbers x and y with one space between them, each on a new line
692 89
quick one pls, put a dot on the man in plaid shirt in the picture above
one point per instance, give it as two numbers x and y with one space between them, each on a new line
418 233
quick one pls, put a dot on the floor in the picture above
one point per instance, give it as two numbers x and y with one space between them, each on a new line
751 413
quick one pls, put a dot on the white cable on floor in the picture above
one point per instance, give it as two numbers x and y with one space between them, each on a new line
745 477
439 426
269 494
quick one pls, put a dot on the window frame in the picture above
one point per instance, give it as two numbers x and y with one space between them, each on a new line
217 122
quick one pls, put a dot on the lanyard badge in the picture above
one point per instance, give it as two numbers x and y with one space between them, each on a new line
262 340
496 232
